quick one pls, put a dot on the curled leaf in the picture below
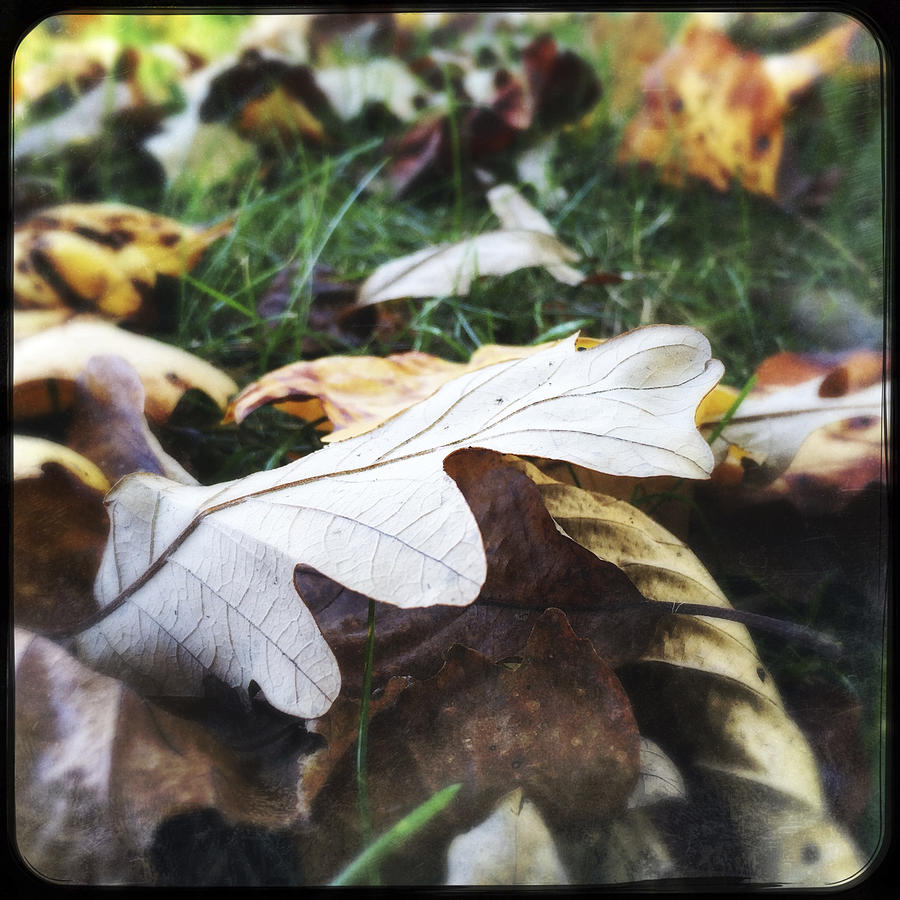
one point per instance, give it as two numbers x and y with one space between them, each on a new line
451 268
46 365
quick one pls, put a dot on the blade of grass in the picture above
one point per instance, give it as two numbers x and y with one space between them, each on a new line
362 744
223 298
722 424
404 829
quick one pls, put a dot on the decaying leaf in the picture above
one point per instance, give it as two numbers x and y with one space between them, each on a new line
59 529
376 513
558 725
774 420
98 770
704 692
716 112
356 393
103 256
46 365
511 846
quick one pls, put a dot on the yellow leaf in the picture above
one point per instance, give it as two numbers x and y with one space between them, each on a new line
30 454
103 255
716 112
357 393
718 703
46 365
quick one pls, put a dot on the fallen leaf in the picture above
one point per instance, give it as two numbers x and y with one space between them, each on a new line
351 88
228 551
558 726
515 212
102 256
356 393
511 846
46 365
27 322
451 268
65 723
59 530
716 112
552 88
563 86
108 424
527 239
99 770
600 601
700 689
775 419
268 100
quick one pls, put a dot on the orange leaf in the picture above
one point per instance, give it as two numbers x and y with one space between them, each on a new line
714 111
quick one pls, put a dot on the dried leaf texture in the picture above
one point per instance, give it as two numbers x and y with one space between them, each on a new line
559 726
101 256
46 365
201 577
703 690
716 112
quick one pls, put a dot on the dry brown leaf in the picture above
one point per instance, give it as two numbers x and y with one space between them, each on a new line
59 529
703 689
46 365
99 769
716 112
101 256
558 725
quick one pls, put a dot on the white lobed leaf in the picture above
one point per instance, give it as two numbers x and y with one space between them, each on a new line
201 577
451 268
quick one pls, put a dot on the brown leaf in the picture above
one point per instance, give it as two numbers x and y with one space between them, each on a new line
59 530
562 84
104 768
530 562
65 725
531 566
555 87
559 726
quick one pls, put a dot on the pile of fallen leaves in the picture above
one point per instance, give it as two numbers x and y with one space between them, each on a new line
190 659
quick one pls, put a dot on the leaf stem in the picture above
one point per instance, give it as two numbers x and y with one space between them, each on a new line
362 743
405 828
